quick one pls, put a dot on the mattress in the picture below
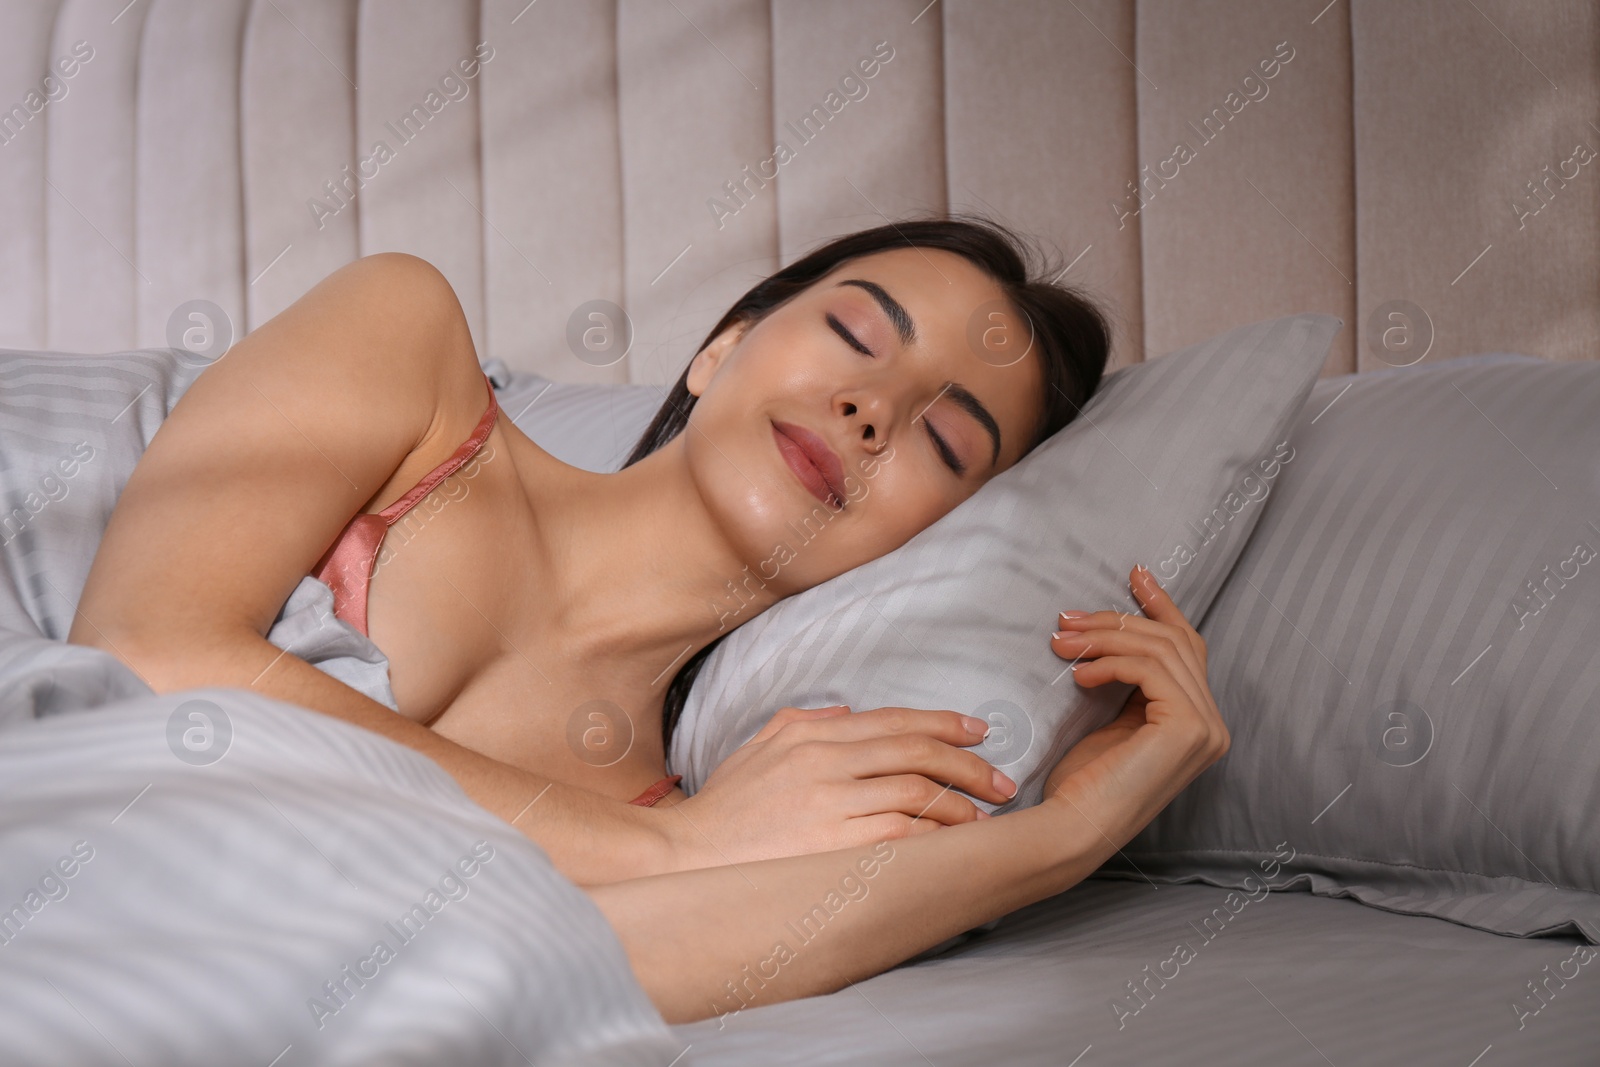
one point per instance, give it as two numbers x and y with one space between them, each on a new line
1095 977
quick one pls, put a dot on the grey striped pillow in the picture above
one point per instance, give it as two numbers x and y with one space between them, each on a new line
1167 465
72 427
590 426
1405 655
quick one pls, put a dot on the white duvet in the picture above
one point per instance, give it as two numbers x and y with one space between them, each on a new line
214 877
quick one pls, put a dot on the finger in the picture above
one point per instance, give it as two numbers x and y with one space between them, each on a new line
950 727
913 795
785 716
1159 605
1170 649
1166 702
1097 642
883 757
889 826
1114 620
1182 635
1101 643
1132 715
1152 596
1149 674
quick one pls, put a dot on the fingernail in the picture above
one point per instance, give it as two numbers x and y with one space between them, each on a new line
1005 785
983 814
975 726
1065 615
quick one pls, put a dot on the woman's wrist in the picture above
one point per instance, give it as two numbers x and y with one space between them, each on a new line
677 842
591 838
660 839
667 842
1060 837
1074 840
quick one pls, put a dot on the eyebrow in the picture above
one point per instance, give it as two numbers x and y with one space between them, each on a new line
907 329
891 307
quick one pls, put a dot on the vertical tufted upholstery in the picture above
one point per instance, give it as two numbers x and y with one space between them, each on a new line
1457 116
1419 152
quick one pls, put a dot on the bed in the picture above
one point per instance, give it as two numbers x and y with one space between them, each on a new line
1290 978
214 869
1413 170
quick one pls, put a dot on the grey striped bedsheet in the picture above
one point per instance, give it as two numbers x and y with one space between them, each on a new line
213 877
1096 978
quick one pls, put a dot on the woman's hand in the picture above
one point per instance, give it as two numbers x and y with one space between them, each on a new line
1123 774
818 779
685 933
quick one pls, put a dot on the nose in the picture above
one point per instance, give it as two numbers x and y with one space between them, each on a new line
868 428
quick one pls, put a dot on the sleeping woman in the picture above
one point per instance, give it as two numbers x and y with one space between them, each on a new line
548 587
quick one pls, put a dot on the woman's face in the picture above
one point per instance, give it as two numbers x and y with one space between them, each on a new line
906 365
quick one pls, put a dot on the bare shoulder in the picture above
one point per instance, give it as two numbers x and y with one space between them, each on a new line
378 355
395 322
409 336
366 381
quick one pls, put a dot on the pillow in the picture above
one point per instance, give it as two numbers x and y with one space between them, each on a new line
1167 465
72 429
587 425
1405 654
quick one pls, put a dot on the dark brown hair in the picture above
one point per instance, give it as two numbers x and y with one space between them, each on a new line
1072 334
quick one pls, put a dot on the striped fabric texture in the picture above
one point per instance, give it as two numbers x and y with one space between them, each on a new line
247 880
1120 975
1166 466
1405 654
71 430
203 877
589 426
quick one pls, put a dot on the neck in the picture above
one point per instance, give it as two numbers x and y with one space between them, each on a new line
639 578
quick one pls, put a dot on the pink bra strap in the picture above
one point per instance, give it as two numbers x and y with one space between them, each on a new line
650 796
348 568
466 451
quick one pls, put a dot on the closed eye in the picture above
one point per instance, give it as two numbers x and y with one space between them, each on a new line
946 453
951 460
849 338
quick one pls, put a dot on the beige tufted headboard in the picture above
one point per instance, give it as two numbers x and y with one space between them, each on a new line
1424 169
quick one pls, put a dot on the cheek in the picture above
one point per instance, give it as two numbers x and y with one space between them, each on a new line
752 497
740 478
896 502
783 534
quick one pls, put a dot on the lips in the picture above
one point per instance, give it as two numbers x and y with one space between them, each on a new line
813 462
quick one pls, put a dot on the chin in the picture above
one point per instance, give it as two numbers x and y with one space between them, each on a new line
787 537
748 515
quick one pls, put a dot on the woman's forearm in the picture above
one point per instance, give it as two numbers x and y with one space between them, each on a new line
713 941
591 838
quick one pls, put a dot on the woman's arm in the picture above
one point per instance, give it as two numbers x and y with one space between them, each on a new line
592 839
347 398
350 395
708 942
